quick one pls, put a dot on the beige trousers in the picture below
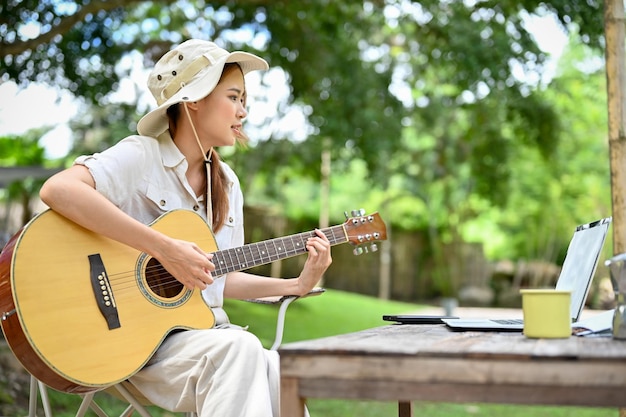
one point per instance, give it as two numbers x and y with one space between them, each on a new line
215 373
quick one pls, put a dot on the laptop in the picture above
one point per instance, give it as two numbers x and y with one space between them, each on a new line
576 275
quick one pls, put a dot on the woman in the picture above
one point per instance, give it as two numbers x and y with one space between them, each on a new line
173 164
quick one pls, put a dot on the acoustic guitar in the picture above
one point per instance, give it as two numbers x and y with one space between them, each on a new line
82 312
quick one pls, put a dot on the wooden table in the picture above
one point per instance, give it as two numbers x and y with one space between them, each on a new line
407 363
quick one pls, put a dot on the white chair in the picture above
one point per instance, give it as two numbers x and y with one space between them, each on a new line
126 392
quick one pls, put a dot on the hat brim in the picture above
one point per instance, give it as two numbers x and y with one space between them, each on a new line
156 122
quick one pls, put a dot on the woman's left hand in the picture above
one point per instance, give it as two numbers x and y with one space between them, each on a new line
317 262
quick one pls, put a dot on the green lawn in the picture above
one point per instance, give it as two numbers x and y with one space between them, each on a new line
337 312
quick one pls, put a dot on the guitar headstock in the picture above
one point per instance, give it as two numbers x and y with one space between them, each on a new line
364 230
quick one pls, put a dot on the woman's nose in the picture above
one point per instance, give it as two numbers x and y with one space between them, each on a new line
242 112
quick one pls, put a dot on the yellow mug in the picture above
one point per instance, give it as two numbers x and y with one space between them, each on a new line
547 313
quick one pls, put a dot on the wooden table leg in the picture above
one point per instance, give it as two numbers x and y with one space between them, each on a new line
291 404
405 409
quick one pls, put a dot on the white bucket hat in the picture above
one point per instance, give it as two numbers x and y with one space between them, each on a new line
189 72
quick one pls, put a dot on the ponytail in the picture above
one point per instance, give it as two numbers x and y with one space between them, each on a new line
219 181
219 192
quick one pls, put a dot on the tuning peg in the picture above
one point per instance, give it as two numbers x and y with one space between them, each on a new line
357 251
374 247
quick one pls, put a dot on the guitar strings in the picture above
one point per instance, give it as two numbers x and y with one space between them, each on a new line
162 279
158 271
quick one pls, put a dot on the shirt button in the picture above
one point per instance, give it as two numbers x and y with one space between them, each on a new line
230 220
196 207
162 203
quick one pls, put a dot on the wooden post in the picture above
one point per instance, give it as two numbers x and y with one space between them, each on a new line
384 270
616 90
291 405
325 169
405 409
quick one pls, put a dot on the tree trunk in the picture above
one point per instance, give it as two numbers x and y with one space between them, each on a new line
384 271
616 89
325 172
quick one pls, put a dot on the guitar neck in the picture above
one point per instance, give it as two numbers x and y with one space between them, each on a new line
267 251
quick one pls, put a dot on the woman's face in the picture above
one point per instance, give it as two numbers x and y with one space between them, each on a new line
221 113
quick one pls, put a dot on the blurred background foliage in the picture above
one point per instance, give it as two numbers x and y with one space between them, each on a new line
445 116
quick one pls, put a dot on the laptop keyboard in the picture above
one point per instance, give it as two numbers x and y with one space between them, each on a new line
508 321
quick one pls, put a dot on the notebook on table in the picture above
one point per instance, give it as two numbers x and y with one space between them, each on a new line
576 275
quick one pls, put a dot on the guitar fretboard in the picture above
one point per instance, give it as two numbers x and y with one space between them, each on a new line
267 251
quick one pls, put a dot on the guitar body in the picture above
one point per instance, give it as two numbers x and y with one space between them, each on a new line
50 315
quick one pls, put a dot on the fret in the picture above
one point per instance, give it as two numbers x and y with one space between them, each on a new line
275 256
329 234
231 266
271 252
298 244
241 258
263 257
288 246
218 262
337 235
252 254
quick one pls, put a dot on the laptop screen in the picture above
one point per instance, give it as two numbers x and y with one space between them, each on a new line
581 261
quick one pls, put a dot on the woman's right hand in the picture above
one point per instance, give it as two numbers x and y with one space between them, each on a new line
187 263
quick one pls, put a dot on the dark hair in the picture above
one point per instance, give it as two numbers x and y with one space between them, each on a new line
219 181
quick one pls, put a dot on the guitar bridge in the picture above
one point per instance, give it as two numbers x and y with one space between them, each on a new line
102 291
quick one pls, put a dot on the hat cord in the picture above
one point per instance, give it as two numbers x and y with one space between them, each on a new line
207 164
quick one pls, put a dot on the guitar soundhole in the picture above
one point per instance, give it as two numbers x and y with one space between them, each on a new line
161 282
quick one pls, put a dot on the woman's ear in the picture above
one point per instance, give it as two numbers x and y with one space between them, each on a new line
191 105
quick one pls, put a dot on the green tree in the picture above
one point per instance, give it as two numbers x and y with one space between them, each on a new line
573 185
23 151
341 57
425 94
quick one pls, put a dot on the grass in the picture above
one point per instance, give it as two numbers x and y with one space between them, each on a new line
334 312
337 312
332 408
